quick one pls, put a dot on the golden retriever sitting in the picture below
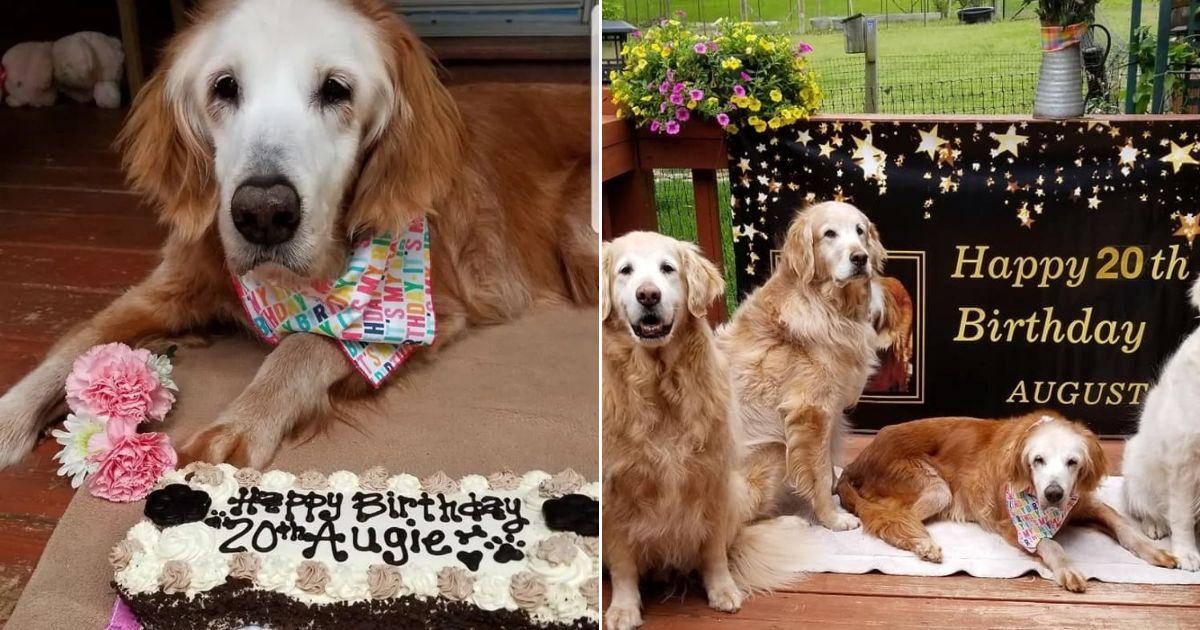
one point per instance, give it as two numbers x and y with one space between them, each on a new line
800 349
673 496
985 471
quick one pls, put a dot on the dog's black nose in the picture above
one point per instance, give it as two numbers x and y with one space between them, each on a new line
266 210
1054 493
648 295
859 259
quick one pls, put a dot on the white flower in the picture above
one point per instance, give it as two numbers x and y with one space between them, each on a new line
161 365
84 436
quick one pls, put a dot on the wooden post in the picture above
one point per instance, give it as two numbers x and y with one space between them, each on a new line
708 229
135 73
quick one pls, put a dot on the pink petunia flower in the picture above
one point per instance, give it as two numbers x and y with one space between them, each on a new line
129 470
746 76
664 87
722 119
803 48
739 90
116 382
672 127
682 114
700 48
677 99
654 125
696 95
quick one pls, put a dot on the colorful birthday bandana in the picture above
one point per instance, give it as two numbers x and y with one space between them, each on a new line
1033 523
380 308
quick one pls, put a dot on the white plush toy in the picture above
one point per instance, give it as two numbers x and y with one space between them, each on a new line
29 74
87 66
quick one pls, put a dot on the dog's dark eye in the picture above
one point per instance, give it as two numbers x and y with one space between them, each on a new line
830 234
1071 463
860 230
226 88
666 268
1038 461
334 92
626 270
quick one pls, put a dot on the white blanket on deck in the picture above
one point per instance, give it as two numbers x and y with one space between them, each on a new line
968 548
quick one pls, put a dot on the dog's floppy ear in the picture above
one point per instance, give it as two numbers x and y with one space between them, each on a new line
875 247
798 247
167 160
704 283
413 162
605 282
1016 469
1095 466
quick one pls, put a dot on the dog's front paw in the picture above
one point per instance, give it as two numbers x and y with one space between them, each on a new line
1162 558
928 551
1071 580
622 618
226 442
1189 560
841 521
725 598
18 433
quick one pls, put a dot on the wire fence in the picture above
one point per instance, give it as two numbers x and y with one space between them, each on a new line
787 14
676 202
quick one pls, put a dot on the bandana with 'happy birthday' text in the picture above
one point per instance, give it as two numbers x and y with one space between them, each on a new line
1033 522
380 308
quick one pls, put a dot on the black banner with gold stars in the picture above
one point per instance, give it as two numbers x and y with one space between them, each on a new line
1031 263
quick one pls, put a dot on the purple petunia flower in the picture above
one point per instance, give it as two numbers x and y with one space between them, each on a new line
700 48
677 99
672 127
696 95
678 87
739 90
682 114
654 125
663 87
670 75
802 48
722 119
745 77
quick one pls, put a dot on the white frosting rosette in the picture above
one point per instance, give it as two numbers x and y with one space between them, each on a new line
565 601
141 576
174 475
347 582
405 484
277 481
208 571
573 573
531 480
473 483
224 490
343 481
188 542
419 581
591 490
277 573
144 533
492 593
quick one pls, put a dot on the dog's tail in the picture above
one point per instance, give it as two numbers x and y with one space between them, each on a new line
1195 294
764 555
878 519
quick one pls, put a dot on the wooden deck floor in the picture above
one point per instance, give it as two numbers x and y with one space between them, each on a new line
72 238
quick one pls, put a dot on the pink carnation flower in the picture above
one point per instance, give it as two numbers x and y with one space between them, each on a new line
129 470
117 382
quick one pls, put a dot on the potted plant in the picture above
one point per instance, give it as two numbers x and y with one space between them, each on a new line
1060 82
738 77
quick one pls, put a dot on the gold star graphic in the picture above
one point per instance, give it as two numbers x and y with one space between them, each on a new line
930 142
1024 217
744 164
1189 227
948 185
1093 203
1128 154
1008 142
870 159
803 137
826 150
1179 155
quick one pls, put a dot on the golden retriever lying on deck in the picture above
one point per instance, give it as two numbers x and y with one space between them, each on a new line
800 349
270 138
967 469
674 497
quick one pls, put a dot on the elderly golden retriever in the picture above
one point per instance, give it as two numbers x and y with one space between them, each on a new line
800 349
674 497
274 134
967 469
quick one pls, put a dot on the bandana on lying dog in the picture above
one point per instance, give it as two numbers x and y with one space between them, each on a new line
1034 523
380 308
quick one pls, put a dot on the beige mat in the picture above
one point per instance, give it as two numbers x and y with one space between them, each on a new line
520 396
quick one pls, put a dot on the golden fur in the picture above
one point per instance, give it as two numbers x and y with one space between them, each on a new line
674 497
957 469
509 216
894 337
800 349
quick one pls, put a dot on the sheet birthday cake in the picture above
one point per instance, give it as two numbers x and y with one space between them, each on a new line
222 547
